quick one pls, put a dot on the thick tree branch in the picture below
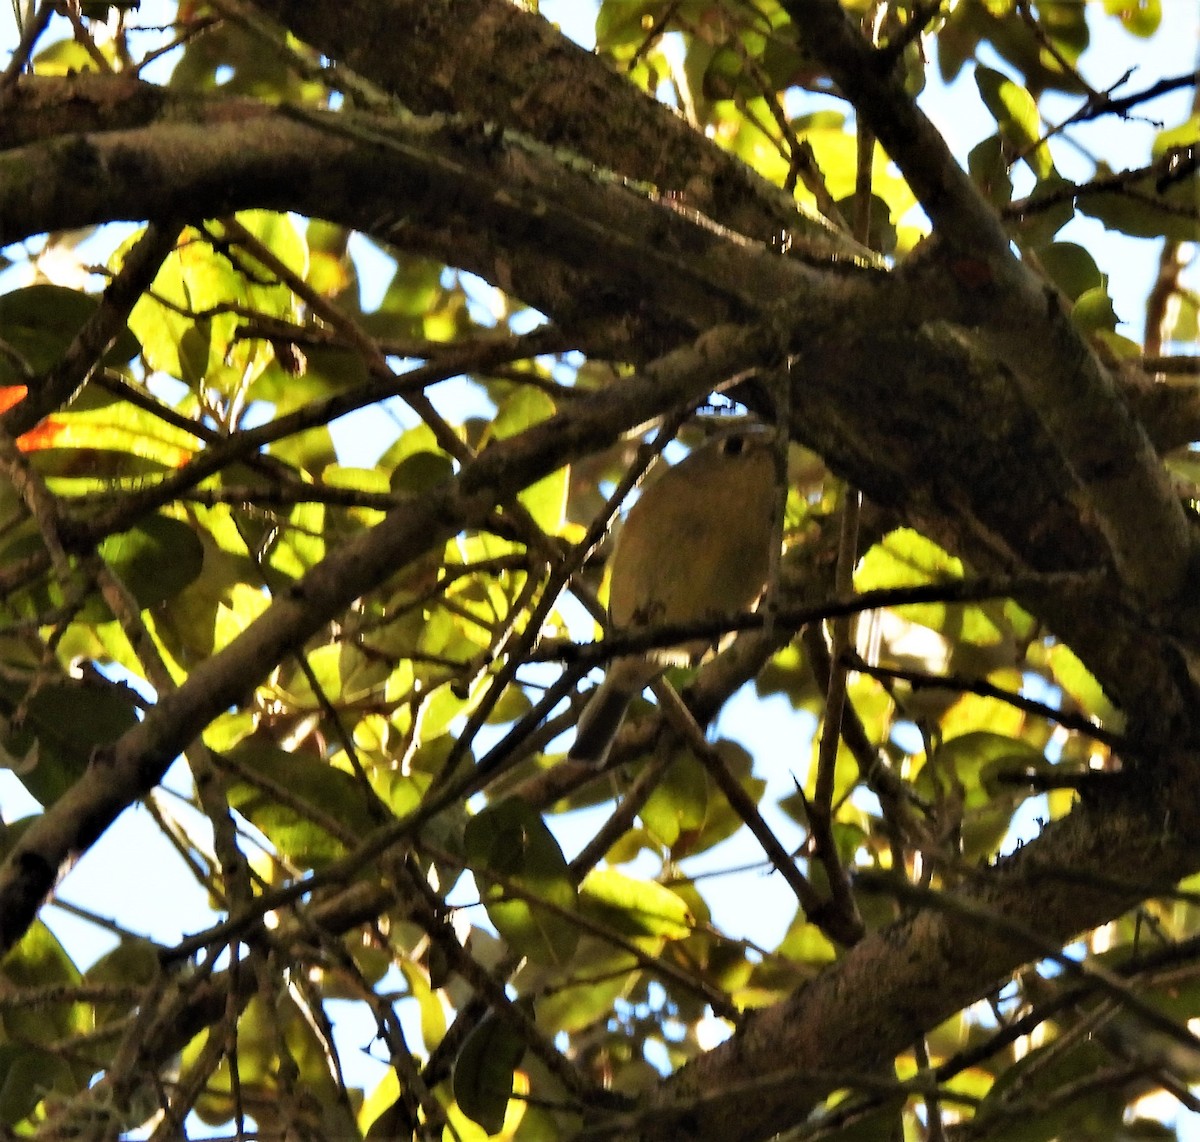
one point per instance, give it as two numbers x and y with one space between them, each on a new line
913 974
522 73
509 210
916 412
1020 317
880 388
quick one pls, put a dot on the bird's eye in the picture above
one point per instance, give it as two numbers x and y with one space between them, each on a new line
734 445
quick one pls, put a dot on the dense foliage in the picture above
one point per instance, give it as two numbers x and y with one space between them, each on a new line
333 338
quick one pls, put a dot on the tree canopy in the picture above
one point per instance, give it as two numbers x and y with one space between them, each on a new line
369 645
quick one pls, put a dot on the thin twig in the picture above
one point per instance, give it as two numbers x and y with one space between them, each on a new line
30 35
919 679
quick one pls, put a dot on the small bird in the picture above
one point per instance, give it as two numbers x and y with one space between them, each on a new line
695 546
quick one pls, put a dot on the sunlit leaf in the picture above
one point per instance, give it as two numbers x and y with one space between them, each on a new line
1141 17
1016 114
41 961
1094 311
906 558
1070 673
433 1014
189 328
634 908
383 1115
510 840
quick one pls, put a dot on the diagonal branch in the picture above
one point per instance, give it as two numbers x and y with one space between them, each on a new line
129 768
919 970
523 74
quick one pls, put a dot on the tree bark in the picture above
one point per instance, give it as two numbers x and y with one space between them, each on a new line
918 385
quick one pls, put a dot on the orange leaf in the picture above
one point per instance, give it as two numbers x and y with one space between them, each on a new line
11 395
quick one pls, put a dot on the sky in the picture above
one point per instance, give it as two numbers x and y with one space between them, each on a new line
133 873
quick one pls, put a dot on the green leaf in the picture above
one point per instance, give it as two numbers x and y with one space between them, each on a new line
382 1114
280 234
546 500
66 57
310 779
993 23
676 809
417 303
394 1121
265 1029
27 1075
989 170
39 324
639 909
1040 1075
444 706
721 821
1184 135
311 452
420 471
1142 210
188 323
39 961
1077 681
116 439
1139 17
429 1003
607 976
511 840
483 1073
1048 209
520 410
301 543
64 723
132 963
1093 311
881 236
513 703
978 761
979 766
226 58
155 559
1016 114
1070 267
905 558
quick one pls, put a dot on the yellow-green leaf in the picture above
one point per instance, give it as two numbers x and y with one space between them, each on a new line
1016 114
635 908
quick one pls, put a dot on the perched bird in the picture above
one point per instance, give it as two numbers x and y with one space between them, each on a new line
695 546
